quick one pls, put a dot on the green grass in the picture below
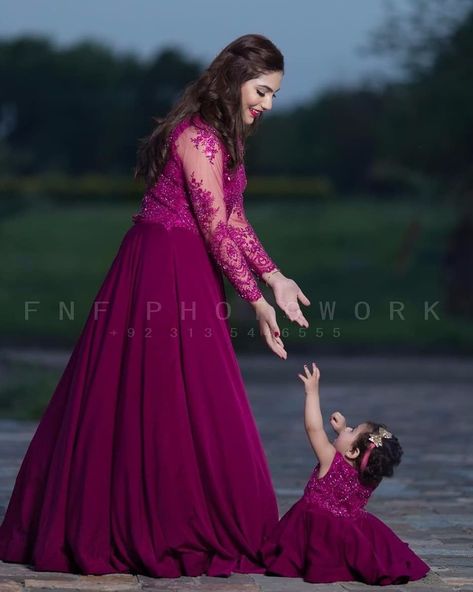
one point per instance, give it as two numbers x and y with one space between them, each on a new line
51 255
342 251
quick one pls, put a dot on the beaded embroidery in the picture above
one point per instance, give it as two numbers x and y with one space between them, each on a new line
245 237
199 197
209 142
339 491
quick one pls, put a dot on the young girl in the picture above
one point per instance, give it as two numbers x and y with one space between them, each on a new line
327 536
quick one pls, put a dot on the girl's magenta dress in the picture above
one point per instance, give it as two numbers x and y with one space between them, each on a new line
147 458
327 536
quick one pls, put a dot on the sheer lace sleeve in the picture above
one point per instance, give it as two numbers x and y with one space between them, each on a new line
202 157
245 237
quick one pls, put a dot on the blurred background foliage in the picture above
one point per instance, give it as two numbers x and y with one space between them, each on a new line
80 109
362 194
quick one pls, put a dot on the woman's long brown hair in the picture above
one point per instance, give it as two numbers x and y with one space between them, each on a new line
216 96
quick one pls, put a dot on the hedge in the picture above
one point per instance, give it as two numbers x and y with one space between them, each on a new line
69 189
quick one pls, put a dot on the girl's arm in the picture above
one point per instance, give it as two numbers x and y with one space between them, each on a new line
314 424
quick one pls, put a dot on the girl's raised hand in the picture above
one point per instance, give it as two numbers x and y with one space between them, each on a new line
310 380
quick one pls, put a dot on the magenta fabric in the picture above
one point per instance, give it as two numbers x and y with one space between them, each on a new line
147 458
327 536
198 190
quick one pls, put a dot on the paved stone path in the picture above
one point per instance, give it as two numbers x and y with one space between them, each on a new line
429 502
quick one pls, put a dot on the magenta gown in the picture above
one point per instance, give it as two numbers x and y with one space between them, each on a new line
328 536
147 458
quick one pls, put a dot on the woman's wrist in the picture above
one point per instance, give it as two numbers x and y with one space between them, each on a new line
271 276
256 304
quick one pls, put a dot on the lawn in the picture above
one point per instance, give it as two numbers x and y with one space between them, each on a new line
339 251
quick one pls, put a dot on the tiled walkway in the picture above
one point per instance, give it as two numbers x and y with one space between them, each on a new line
428 503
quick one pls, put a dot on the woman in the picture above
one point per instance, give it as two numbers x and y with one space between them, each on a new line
147 458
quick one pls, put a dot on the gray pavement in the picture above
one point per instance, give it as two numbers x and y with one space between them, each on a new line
427 402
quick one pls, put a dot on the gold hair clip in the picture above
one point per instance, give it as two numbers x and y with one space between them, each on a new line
377 439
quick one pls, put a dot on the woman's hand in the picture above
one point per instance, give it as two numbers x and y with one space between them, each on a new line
266 316
286 293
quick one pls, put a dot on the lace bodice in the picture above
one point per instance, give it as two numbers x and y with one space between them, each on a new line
339 490
196 190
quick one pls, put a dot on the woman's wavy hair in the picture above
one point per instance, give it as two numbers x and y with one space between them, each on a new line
216 96
382 459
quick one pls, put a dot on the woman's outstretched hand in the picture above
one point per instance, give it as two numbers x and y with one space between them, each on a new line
287 293
268 325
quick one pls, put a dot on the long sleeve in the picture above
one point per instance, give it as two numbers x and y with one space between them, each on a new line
202 158
245 237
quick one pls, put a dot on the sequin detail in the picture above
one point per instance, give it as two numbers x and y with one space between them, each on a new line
158 206
339 491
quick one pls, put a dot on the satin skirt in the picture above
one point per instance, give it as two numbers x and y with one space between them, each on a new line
147 458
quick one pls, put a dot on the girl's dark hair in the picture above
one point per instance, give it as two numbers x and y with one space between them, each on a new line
382 459
216 96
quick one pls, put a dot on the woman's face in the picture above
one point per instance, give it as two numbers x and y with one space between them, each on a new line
257 95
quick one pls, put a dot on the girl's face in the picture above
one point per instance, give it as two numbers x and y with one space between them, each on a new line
257 95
